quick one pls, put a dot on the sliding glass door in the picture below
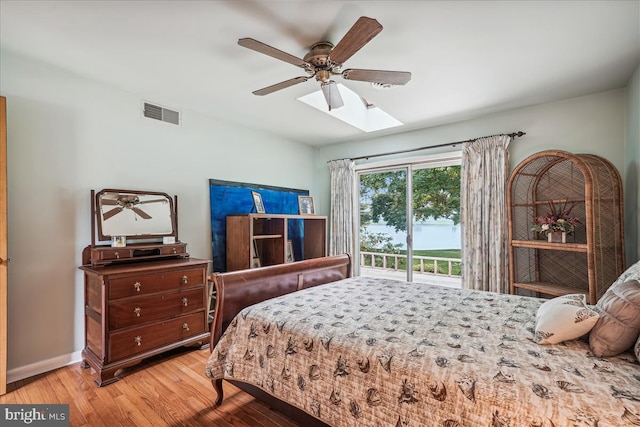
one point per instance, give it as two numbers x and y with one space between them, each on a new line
409 221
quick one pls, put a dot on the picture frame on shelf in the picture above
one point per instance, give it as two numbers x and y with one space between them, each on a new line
118 241
306 205
254 250
255 262
257 202
289 252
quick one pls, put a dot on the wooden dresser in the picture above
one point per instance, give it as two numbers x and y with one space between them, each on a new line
139 309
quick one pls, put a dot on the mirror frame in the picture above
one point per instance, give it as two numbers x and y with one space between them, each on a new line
138 194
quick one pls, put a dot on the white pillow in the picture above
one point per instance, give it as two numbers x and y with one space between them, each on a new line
564 318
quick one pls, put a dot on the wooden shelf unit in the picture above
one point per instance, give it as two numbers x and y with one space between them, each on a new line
268 234
593 256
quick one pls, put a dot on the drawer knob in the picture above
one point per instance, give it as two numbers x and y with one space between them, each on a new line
185 301
138 340
185 326
117 254
184 279
175 251
137 286
137 311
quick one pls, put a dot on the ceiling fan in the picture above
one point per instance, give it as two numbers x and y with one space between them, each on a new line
324 60
127 202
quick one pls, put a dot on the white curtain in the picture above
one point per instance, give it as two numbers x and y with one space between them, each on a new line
483 214
342 217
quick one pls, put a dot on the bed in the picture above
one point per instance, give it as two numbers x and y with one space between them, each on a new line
376 352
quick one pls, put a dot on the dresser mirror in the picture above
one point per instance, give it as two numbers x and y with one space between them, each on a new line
134 214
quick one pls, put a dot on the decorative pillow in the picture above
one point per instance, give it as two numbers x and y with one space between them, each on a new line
631 273
618 327
564 318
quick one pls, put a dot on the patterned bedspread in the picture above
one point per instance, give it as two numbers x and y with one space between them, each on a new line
376 352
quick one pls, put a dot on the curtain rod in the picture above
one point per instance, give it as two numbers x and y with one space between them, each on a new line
449 144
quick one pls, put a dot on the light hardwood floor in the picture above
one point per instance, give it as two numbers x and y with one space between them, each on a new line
167 390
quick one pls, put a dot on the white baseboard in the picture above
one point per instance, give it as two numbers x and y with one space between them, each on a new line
43 366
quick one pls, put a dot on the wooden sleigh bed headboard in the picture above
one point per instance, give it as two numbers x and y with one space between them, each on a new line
239 289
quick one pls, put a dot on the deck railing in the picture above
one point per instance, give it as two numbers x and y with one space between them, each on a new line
422 264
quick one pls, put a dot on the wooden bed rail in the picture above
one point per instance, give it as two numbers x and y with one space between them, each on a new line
239 289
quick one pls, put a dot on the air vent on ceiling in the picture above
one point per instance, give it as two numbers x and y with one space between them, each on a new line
160 113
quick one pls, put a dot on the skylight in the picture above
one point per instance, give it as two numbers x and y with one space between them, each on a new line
356 111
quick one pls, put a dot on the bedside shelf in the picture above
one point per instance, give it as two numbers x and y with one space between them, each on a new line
547 288
541 244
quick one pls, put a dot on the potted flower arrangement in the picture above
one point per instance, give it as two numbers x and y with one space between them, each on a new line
557 222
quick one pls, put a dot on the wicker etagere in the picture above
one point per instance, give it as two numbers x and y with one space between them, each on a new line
593 256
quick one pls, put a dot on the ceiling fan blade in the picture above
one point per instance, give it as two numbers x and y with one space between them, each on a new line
332 95
360 34
281 85
142 213
112 212
272 51
378 76
108 202
152 201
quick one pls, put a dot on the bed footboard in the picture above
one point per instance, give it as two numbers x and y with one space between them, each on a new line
239 289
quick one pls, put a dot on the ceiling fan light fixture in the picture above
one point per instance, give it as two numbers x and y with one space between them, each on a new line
332 95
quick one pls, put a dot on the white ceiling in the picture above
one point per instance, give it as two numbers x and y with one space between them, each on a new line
467 58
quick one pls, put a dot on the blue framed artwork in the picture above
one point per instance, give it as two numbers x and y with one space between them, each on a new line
229 197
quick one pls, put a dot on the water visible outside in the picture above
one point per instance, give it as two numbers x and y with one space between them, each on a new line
441 234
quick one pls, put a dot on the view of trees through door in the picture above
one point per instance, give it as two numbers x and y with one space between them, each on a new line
430 241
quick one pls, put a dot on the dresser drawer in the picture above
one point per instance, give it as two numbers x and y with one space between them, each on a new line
138 340
102 255
113 254
144 284
173 249
141 310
